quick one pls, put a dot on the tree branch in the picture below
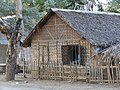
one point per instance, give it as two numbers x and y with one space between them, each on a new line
9 31
4 28
18 27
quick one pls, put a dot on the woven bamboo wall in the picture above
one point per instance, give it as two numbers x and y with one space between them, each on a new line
47 42
55 29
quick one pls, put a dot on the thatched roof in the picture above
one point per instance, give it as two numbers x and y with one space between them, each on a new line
113 51
100 28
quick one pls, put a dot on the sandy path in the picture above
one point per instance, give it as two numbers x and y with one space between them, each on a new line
54 85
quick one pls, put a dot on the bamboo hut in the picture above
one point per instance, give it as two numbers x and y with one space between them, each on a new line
70 36
107 64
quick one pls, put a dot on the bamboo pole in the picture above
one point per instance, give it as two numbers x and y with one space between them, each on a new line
117 71
101 72
112 74
108 70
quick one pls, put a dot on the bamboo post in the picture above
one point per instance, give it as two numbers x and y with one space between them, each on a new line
118 70
38 61
43 67
57 51
108 74
112 74
48 52
55 75
73 72
108 70
76 69
52 70
62 71
99 72
101 69
49 70
24 68
44 70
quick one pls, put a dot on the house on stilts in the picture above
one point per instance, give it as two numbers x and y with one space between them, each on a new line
80 40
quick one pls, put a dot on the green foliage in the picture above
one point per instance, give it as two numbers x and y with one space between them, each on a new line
34 10
31 15
45 5
71 4
114 6
6 8
28 3
100 7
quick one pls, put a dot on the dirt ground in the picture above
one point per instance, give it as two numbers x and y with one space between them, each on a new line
20 84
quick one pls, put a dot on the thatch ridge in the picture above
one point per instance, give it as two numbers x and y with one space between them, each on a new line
83 11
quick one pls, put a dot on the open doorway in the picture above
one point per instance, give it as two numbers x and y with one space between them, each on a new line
73 53
70 53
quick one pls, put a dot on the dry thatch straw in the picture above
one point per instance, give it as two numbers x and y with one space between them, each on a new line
113 51
100 28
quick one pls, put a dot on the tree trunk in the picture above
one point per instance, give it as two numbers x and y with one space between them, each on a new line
19 13
11 60
12 44
13 36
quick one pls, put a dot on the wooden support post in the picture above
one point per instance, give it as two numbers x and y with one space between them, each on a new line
112 74
52 70
24 68
38 61
47 71
76 71
62 71
108 70
57 51
118 70
101 72
48 52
